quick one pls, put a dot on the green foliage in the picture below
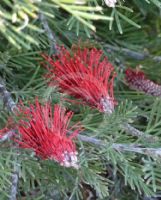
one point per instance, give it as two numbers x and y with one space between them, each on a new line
154 118
104 172
6 163
20 19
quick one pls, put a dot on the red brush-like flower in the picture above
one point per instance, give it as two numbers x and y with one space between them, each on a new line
138 81
45 132
85 74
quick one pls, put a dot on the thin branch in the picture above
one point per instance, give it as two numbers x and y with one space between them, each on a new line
7 136
50 34
136 148
130 130
14 180
7 99
133 54
15 174
137 133
97 142
156 197
11 106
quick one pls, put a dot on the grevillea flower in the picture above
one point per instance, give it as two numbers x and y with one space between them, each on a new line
85 74
110 3
45 132
138 81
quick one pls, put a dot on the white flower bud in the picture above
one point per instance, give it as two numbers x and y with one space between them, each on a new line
110 3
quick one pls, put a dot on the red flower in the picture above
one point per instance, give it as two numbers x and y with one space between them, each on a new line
45 132
138 81
85 74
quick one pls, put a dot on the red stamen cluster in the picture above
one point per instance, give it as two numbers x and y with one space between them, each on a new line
138 81
86 75
45 132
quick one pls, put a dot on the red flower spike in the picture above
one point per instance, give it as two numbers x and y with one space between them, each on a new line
86 75
45 132
138 81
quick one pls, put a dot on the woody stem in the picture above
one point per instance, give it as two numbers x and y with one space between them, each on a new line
137 133
133 54
11 106
50 34
136 148
7 99
127 127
